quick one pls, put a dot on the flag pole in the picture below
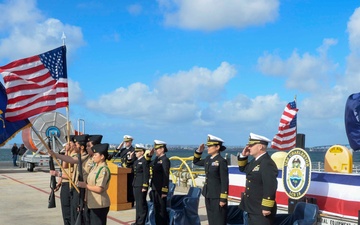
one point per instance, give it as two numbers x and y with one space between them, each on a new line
68 142
48 150
63 37
296 115
296 139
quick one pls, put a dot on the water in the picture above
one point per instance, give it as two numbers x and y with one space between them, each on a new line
5 154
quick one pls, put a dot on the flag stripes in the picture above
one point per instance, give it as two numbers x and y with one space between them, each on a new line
285 139
36 84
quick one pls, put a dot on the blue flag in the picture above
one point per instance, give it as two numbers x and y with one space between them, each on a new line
8 130
352 120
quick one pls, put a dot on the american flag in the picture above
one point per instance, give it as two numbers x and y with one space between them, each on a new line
36 84
285 139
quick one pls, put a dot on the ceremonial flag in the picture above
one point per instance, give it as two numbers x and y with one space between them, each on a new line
352 120
8 130
36 84
285 139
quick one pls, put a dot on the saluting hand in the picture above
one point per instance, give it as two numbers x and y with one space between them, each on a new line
131 154
120 145
152 152
246 151
201 148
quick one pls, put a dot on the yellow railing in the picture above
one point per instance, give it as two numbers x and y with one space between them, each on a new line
184 168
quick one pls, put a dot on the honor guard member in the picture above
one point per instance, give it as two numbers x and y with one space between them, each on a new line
80 142
80 146
89 164
97 183
123 152
140 184
216 184
258 200
92 140
160 172
65 197
63 181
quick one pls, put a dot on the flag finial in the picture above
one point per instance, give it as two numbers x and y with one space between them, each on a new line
63 37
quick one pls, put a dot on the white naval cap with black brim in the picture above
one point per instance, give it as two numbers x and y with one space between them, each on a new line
128 138
159 144
213 140
139 147
258 139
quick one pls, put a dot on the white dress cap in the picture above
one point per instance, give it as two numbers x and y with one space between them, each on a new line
258 139
158 142
213 140
128 138
139 147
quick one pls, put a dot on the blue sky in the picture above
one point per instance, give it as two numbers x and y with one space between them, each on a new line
177 70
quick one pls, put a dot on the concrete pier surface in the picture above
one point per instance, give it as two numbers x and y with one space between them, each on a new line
24 199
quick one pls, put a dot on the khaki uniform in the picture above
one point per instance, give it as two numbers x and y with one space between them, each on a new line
75 175
88 164
98 176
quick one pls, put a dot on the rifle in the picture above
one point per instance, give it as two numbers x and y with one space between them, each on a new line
80 217
52 185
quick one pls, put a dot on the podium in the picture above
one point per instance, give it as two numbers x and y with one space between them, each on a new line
117 190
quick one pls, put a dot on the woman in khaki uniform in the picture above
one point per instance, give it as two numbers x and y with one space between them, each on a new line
98 201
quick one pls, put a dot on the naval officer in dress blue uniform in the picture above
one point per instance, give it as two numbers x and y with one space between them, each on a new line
216 184
140 184
123 151
160 172
258 200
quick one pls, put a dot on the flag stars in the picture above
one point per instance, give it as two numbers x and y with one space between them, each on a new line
54 62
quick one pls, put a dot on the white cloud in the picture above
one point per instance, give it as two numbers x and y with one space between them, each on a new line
18 12
175 97
198 84
305 72
353 28
244 109
191 100
218 14
75 92
352 78
30 32
325 104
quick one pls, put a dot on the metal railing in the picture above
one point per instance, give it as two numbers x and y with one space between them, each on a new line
319 167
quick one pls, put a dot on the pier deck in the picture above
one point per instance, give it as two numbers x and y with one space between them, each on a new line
24 199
